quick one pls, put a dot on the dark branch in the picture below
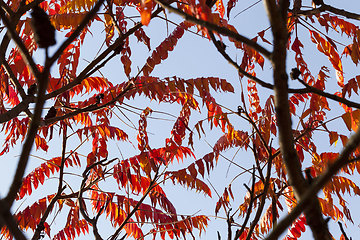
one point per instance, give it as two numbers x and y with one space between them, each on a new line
331 9
262 200
343 231
249 210
7 218
330 96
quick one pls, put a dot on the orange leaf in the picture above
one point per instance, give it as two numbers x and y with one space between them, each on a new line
355 119
326 47
145 17
347 119
334 136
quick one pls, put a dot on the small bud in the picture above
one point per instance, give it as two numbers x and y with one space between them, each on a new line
32 90
99 98
119 48
51 113
295 73
44 32
240 110
318 2
309 177
221 44
210 3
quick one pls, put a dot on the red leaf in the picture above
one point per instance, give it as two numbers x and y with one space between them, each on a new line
220 8
161 52
296 46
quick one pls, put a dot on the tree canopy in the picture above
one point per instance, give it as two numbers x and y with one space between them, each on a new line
105 138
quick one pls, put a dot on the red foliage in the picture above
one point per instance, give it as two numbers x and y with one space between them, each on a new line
92 115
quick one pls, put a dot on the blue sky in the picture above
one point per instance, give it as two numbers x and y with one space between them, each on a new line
193 57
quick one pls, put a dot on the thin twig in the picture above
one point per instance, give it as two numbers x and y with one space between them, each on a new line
330 96
331 9
40 226
136 207
262 200
343 231
249 210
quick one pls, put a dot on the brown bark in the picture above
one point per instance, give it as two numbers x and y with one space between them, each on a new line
277 15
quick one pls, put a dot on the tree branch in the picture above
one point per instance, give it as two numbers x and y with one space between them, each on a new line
17 85
7 218
29 141
262 83
15 111
92 221
331 9
313 212
343 231
42 81
262 200
249 210
6 8
14 80
49 208
330 96
91 108
14 20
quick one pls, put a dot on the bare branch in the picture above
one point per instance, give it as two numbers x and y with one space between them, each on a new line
249 210
91 108
262 200
6 8
331 9
296 179
15 111
246 74
93 221
330 96
49 208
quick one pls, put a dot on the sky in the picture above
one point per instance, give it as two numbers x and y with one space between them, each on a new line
193 57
